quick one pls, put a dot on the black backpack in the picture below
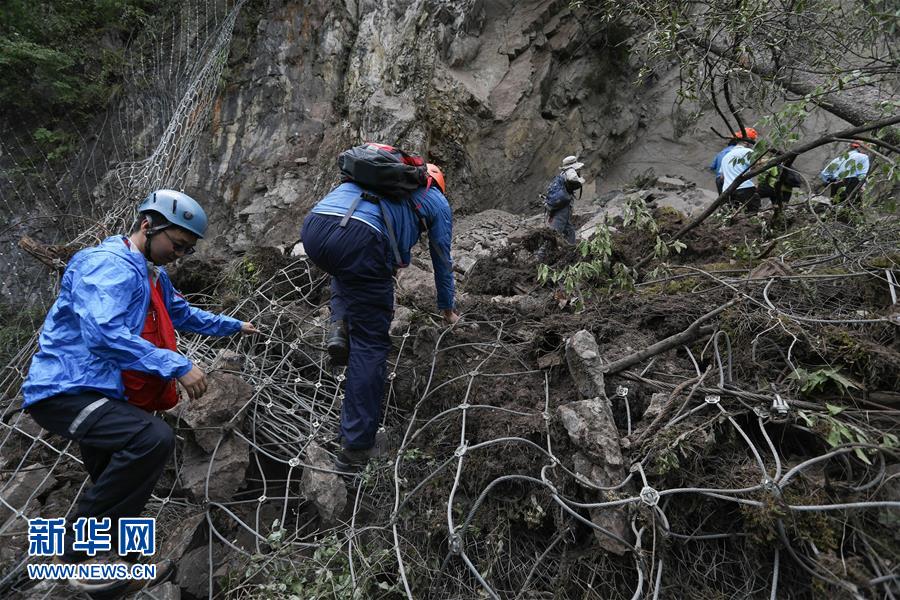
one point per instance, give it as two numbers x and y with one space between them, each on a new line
384 170
386 173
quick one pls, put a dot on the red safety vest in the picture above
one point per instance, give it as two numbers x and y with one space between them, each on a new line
146 390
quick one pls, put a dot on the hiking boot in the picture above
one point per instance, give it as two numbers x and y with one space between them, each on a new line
165 569
338 343
352 461
92 586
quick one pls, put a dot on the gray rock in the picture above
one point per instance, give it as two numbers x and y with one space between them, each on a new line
463 264
217 410
226 470
326 490
180 539
523 304
585 364
657 401
166 591
193 572
402 319
417 285
229 360
590 426
672 183
613 520
298 250
24 486
587 231
259 206
24 424
59 500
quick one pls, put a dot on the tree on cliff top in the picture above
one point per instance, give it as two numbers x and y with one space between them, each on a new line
842 56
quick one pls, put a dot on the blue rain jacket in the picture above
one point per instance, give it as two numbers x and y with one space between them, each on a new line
93 330
433 207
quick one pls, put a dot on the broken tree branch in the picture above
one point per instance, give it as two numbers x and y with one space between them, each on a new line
669 406
693 331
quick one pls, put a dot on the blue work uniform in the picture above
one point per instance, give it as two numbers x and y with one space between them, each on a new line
74 385
357 252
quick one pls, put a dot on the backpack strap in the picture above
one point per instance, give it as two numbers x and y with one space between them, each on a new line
392 236
389 224
351 210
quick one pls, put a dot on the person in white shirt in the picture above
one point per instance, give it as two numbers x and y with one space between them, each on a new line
844 174
734 164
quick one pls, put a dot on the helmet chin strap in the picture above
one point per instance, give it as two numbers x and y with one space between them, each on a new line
147 247
149 235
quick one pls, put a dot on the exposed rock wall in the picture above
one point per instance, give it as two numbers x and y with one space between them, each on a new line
496 92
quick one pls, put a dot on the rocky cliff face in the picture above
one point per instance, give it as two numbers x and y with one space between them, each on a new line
496 92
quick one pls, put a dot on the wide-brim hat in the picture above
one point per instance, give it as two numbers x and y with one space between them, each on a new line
571 162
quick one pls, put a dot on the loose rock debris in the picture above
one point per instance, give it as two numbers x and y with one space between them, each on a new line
536 451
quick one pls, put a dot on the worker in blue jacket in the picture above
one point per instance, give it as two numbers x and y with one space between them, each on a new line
347 236
92 334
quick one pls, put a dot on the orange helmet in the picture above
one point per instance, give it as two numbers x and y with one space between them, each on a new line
434 172
855 145
751 134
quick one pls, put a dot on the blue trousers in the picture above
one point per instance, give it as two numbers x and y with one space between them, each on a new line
561 221
124 450
360 263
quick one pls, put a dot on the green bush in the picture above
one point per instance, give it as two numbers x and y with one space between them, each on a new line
64 57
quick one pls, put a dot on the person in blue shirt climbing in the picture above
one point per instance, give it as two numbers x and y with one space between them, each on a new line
846 172
361 241
98 328
716 165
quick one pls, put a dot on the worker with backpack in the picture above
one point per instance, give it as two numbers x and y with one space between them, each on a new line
561 195
361 233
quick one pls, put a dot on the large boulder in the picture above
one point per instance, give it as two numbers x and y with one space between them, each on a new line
225 470
24 486
585 364
180 538
416 286
590 426
217 411
324 488
212 451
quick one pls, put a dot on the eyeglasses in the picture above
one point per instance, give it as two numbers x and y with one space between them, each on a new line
180 247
